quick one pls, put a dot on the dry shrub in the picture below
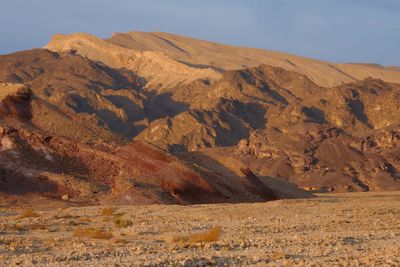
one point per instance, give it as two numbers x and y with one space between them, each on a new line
66 216
107 211
277 255
121 241
119 215
14 244
84 219
121 223
28 227
18 227
211 235
36 226
49 242
28 213
93 233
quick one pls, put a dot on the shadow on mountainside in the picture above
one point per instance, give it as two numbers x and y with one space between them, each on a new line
242 188
15 183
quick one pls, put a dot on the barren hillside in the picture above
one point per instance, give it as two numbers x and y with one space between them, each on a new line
204 54
161 118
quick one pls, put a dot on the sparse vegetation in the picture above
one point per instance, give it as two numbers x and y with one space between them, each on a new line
121 241
119 214
121 223
36 226
211 235
18 227
32 226
84 219
117 218
93 233
28 213
66 216
107 211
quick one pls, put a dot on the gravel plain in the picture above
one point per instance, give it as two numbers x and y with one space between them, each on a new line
349 229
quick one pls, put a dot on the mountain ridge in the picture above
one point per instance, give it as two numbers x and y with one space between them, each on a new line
169 119
221 57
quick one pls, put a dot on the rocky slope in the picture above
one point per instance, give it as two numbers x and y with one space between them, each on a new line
320 138
48 149
34 163
159 118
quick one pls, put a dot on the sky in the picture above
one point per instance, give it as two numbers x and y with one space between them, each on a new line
334 30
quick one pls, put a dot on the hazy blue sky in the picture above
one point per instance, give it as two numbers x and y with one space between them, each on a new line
335 30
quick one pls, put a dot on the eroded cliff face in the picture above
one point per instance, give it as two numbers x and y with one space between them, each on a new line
158 70
268 97
326 158
108 121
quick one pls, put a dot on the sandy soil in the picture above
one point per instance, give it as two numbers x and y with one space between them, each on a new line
351 229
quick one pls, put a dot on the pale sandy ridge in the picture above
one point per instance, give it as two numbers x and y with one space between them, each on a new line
225 57
165 60
7 89
157 69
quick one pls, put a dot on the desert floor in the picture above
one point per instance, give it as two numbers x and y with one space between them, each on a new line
349 229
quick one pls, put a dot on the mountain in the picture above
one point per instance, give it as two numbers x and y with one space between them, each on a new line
155 68
203 54
162 118
65 123
343 138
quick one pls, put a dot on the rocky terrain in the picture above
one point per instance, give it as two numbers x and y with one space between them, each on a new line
151 118
342 229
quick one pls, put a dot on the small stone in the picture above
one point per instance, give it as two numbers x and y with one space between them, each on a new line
65 197
49 157
7 143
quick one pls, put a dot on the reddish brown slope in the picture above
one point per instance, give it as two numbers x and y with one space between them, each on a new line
34 163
